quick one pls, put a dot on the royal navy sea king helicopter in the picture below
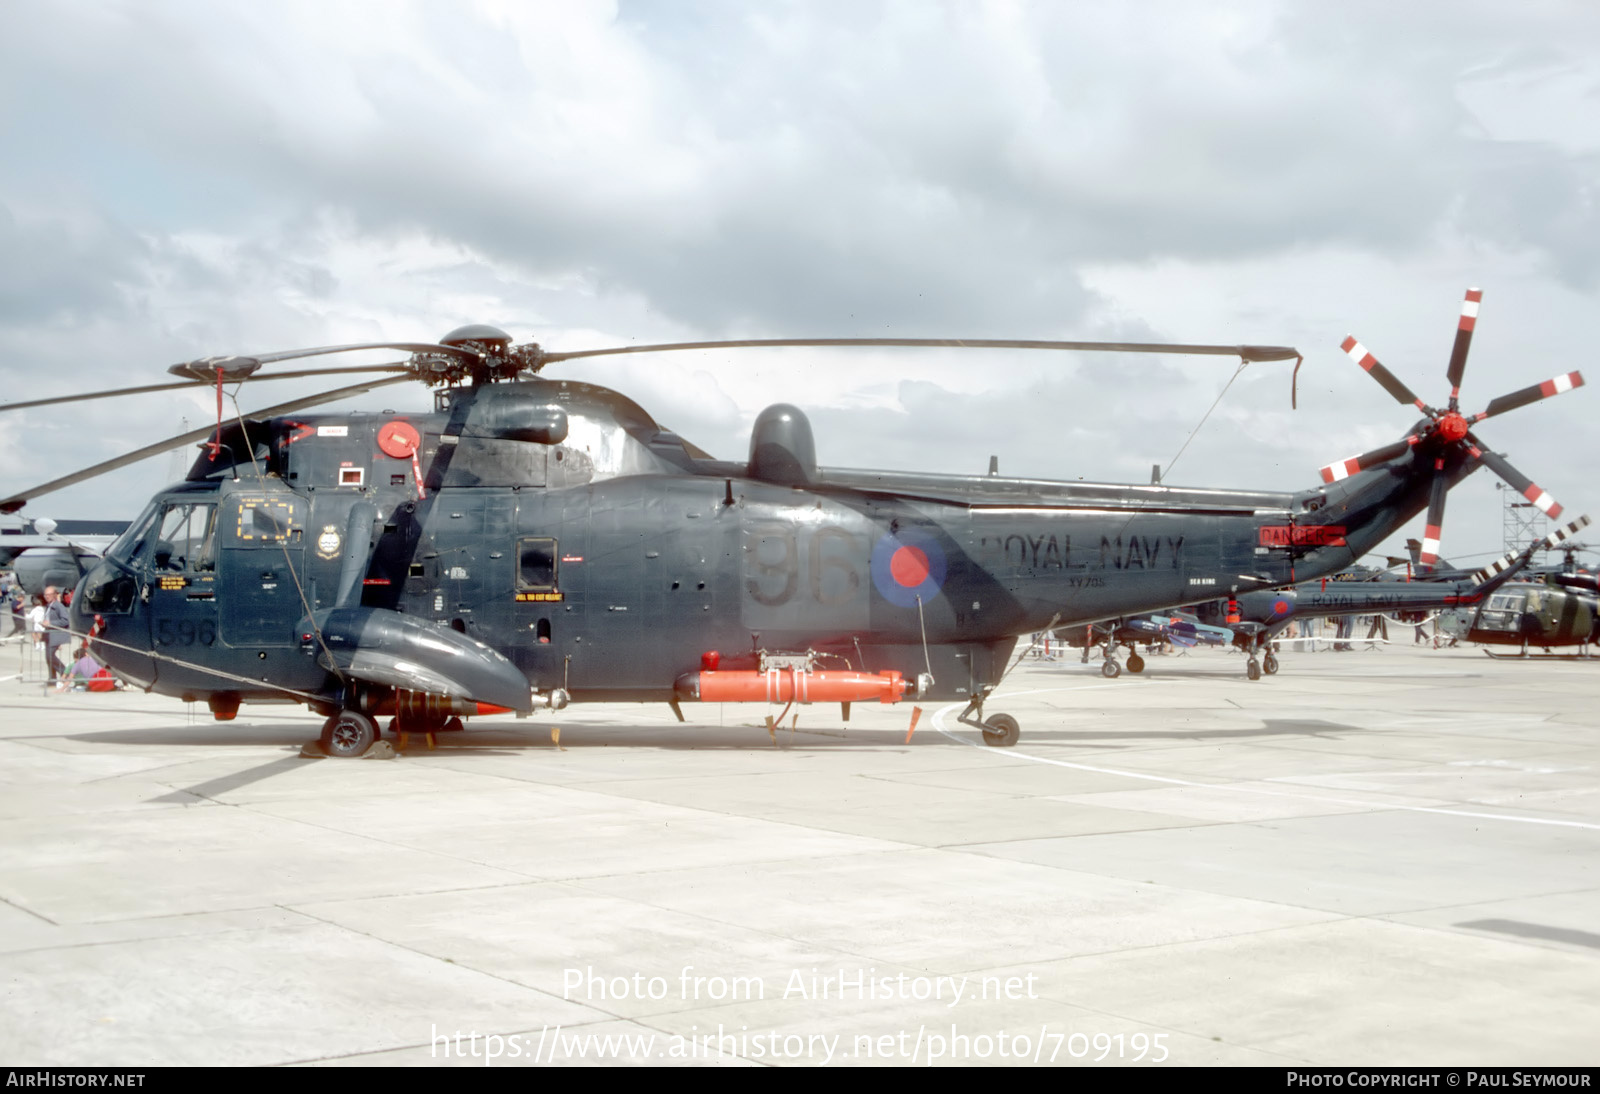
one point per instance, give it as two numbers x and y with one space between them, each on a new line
535 541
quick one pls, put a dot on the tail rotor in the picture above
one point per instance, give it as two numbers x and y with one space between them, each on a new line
1447 429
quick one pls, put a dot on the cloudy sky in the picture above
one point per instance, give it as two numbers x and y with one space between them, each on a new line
184 179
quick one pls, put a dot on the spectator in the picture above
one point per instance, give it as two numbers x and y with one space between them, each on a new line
58 633
36 621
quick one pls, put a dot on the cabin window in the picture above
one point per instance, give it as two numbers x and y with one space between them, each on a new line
536 565
266 520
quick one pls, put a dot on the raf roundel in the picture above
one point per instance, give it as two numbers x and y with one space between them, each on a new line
908 566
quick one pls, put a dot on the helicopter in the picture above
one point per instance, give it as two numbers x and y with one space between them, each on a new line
1546 607
1252 621
534 541
1558 609
54 552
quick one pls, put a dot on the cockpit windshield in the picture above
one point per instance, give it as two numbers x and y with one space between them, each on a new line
1503 612
127 544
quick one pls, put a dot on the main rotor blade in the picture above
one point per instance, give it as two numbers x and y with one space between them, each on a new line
1564 533
1391 383
393 366
1458 352
1516 479
1531 394
1345 468
18 500
318 351
1430 535
1247 353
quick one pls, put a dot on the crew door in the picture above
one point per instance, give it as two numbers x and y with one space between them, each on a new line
181 579
261 584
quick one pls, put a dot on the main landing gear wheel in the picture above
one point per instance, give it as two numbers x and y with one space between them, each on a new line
1269 664
1001 731
347 734
1110 669
1253 670
1135 663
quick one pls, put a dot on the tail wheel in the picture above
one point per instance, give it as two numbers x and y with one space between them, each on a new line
348 734
1001 731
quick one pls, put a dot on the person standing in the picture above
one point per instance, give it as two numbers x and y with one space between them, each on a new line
58 632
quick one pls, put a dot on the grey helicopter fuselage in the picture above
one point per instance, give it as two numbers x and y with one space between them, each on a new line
557 527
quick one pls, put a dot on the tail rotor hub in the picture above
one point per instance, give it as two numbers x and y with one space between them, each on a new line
1452 426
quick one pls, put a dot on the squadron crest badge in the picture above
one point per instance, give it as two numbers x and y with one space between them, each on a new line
328 542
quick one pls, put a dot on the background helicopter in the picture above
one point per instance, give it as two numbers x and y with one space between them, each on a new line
1548 606
1253 620
537 540
47 552
1560 609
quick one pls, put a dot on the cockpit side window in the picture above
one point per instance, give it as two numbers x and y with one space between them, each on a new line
185 538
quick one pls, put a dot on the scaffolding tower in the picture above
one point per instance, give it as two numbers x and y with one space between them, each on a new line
1521 521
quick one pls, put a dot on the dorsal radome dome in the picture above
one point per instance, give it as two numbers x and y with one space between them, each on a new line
481 333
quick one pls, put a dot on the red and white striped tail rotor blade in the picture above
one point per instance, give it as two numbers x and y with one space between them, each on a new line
1428 557
1458 352
1532 394
1391 383
1515 479
1345 468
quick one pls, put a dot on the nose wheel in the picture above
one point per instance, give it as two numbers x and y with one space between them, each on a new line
1253 669
1135 663
1269 663
1110 668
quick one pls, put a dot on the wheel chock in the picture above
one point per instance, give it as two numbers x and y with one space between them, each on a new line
379 750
